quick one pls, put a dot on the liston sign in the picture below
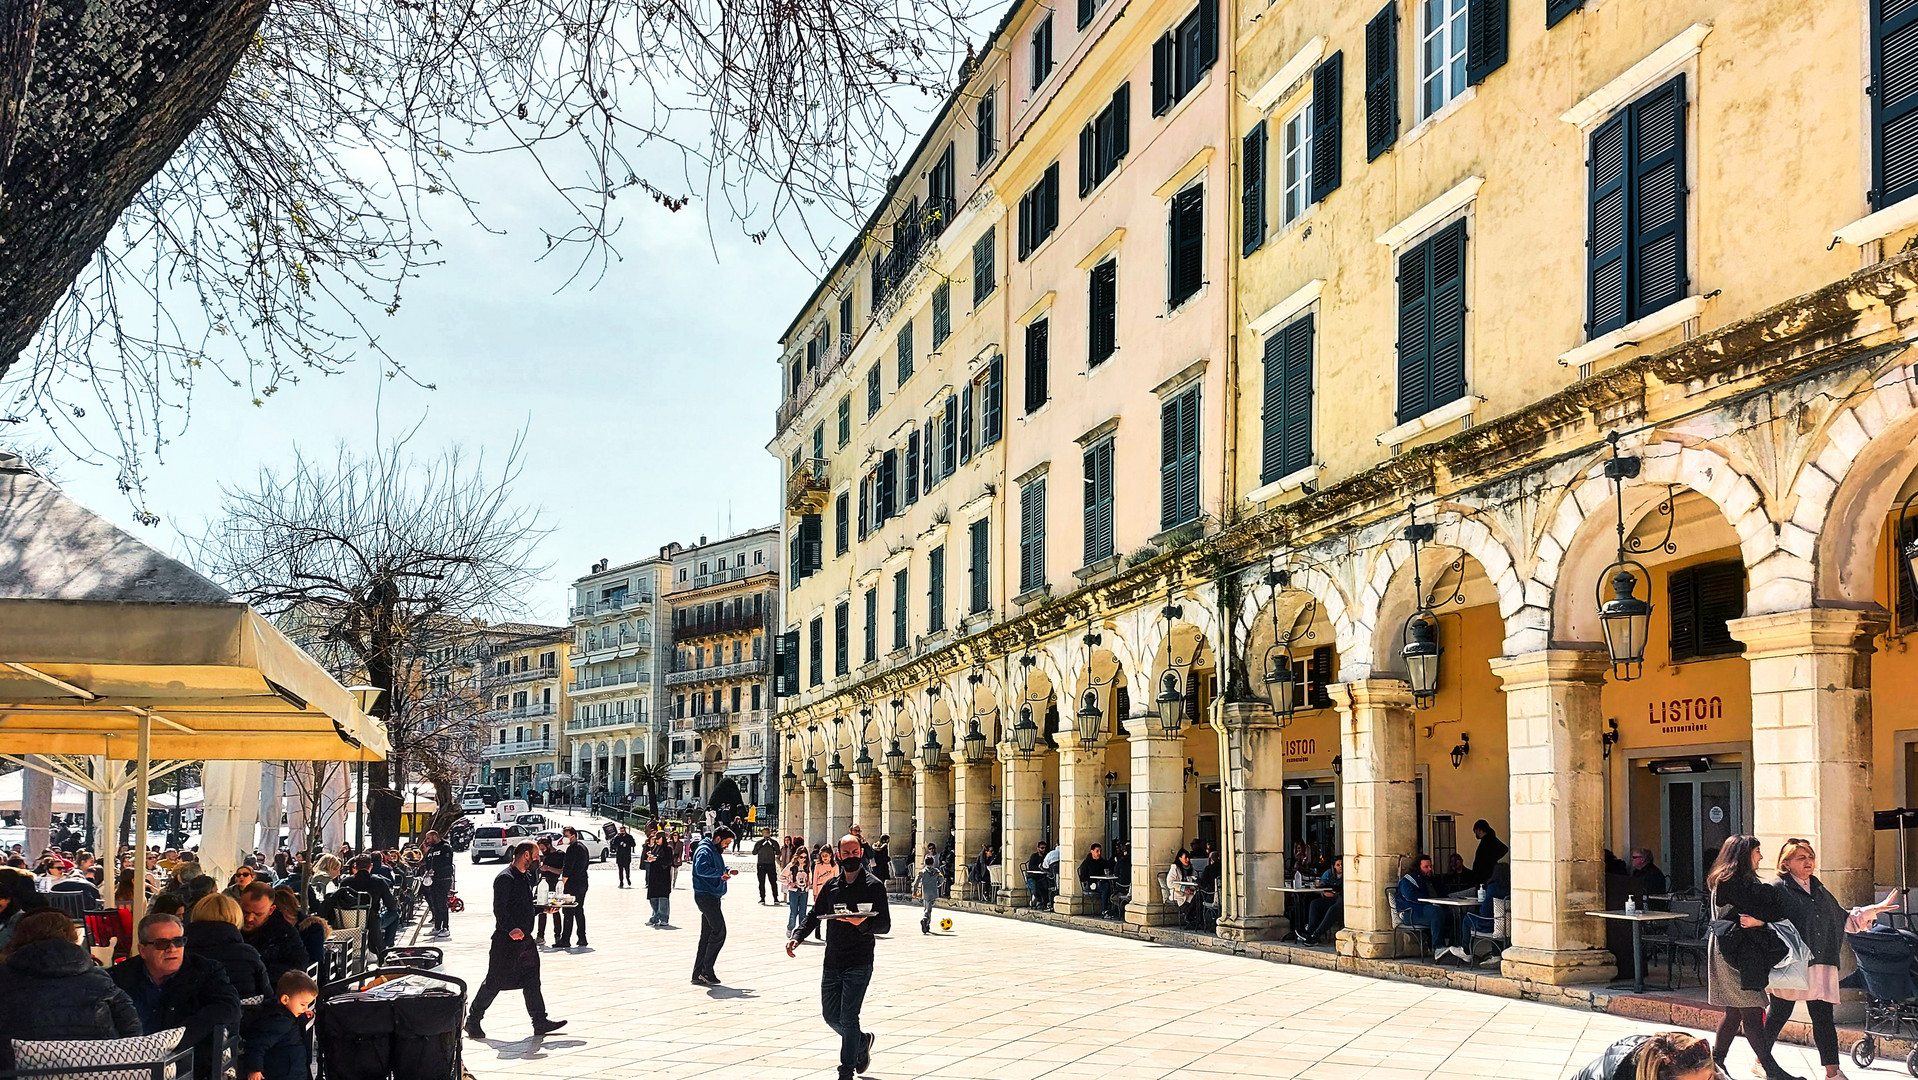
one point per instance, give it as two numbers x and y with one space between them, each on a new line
1681 715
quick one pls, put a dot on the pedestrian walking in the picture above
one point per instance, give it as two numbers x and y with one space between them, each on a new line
551 859
854 902
623 846
572 881
709 885
766 856
796 876
436 875
662 857
512 962
931 878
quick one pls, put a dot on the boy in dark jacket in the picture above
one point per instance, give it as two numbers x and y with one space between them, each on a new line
275 1033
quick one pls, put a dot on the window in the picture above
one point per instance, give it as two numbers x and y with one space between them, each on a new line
1098 508
930 441
936 590
912 466
1104 141
845 320
967 440
1032 536
1179 459
1703 599
941 194
899 611
1042 51
818 445
1087 8
1382 81
872 392
1039 212
797 373
1432 323
905 352
865 506
1187 244
1295 165
1252 190
1328 126
979 537
983 120
758 697
1894 102
841 661
1288 401
1036 347
807 558
872 625
992 409
886 493
1183 56
841 518
982 267
1103 333
816 668
941 314
786 664
1637 181
1441 53
845 421
949 438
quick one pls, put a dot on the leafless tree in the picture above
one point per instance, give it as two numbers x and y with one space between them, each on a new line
370 562
312 782
235 189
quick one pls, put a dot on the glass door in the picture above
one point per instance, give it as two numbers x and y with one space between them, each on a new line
1312 817
1118 819
1700 811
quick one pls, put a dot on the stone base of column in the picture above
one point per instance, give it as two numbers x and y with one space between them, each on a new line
1369 944
1255 928
1559 967
1151 913
1010 899
1080 904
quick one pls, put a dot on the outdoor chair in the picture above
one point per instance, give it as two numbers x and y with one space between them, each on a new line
1418 932
1685 938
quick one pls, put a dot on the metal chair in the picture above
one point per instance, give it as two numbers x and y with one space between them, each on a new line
1685 937
1419 932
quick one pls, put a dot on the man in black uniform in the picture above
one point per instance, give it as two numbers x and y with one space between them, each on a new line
766 858
849 947
512 963
572 882
437 866
623 846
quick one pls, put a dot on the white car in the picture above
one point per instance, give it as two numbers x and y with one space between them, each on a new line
597 848
496 841
472 804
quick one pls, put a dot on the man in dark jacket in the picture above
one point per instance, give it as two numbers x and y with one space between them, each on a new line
572 881
512 963
1646 878
861 899
52 989
766 860
269 932
623 846
1490 850
1093 870
437 865
709 886
377 896
171 989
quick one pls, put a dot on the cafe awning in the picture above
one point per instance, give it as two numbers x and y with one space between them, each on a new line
682 771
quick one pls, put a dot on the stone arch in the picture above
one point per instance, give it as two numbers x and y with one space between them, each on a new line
1862 457
1526 613
1311 580
1152 630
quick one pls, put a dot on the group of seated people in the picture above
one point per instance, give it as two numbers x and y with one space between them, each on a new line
1488 879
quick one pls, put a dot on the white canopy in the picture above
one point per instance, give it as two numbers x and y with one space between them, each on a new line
67 798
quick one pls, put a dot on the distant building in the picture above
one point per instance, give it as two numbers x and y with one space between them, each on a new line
523 681
610 697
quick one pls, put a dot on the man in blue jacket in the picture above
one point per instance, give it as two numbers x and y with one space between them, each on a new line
709 884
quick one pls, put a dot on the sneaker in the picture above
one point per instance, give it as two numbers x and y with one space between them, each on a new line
865 1055
546 1027
473 1030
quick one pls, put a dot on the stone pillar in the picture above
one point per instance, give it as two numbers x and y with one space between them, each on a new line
1082 818
932 806
1158 818
1811 737
1555 732
816 814
896 815
972 825
1019 792
1377 823
1254 824
865 807
838 811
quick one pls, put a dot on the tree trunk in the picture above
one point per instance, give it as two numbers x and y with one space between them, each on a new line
108 90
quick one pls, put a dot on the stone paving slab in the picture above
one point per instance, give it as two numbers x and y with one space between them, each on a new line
996 999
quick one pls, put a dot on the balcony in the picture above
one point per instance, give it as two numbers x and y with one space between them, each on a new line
711 722
632 601
606 645
730 624
743 669
606 723
520 712
809 487
611 681
811 381
520 748
529 674
721 577
687 757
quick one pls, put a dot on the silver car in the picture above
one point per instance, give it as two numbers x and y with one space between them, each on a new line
496 841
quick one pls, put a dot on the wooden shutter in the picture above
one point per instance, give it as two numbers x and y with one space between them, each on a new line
888 484
1556 10
930 442
936 589
1447 308
981 560
841 643
812 542
965 423
841 524
1487 26
1328 124
912 466
1179 460
1415 349
949 438
1098 502
1026 203
1104 289
1657 219
865 507
1121 122
1088 159
983 270
1163 51
1296 430
1208 36
992 417
1681 600
941 313
1188 243
1032 536
786 664
1252 190
1086 8
1382 81
817 658
905 353
1049 202
1721 598
1319 675
872 625
1272 411
1605 304
1036 345
1894 101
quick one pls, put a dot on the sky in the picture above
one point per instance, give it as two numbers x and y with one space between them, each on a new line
647 399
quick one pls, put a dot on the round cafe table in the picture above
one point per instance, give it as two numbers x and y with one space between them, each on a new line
1638 919
1295 898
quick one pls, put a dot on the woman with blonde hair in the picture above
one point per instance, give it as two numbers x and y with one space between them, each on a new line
215 934
1822 922
1668 1055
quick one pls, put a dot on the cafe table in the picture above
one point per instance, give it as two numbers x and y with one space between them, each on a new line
1459 905
1295 897
1638 919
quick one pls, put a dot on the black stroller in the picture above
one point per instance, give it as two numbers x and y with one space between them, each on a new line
1886 959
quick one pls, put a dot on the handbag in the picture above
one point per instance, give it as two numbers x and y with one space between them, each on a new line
1794 971
1716 927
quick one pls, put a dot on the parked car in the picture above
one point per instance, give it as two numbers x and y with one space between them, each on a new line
472 804
534 822
596 846
496 841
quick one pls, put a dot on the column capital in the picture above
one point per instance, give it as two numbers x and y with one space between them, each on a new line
1808 630
1145 728
1239 715
1372 693
1531 669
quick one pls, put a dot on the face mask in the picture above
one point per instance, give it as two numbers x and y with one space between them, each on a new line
851 865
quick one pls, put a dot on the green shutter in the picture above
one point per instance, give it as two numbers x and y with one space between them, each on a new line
1098 502
1252 189
1605 302
1382 81
1556 10
1328 125
1296 432
1448 315
1179 460
1894 101
1487 28
1272 411
1657 219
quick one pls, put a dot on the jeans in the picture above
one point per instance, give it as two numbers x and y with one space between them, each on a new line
662 910
1325 913
712 934
1436 920
625 872
795 909
483 999
842 991
436 901
571 917
768 882
1101 893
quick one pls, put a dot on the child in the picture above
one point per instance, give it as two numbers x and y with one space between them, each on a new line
275 1035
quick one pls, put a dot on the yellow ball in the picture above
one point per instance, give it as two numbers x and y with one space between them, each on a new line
945 924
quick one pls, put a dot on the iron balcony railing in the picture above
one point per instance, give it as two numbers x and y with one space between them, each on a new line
601 722
523 746
520 712
601 682
718 671
721 577
628 602
730 624
496 678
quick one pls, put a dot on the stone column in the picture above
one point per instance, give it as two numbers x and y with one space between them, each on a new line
1255 822
1377 820
1082 818
838 811
932 806
895 816
816 826
1811 737
865 806
1158 818
1019 792
1555 735
972 826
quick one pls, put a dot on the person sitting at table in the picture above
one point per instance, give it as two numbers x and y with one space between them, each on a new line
1036 879
1182 888
1646 878
1484 922
1091 868
1415 886
1327 910
1457 876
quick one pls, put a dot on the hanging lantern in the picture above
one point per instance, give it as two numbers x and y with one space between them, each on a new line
1025 733
836 772
975 745
932 755
1171 704
895 761
1421 654
1626 621
1281 687
1091 721
812 772
863 765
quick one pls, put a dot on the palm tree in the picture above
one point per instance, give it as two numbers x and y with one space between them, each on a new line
650 777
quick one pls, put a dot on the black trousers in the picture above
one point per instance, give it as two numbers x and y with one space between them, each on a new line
712 934
572 917
842 993
436 902
768 882
625 871
1824 1033
483 999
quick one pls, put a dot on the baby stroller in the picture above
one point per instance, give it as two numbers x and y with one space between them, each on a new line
1886 959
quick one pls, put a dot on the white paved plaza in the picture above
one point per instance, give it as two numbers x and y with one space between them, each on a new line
995 999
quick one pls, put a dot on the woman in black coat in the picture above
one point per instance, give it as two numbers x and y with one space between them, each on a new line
50 988
1741 954
215 934
661 856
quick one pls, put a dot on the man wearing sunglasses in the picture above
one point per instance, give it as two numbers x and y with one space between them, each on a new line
171 989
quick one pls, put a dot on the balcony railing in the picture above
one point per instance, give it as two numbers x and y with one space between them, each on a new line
495 678
718 671
604 642
809 487
730 624
523 746
603 722
603 682
711 721
520 712
811 381
687 757
721 577
632 600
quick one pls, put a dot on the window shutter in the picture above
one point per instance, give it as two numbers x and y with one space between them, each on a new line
1894 101
1487 25
1036 345
841 524
1085 13
905 353
865 507
1032 536
1272 411
1448 315
1098 502
1556 10
841 644
1721 598
980 534
1252 189
1328 124
1121 122
1414 341
888 484
1101 337
1088 159
1188 243
900 599
1681 595
1605 307
1382 81
872 391
1162 52
992 414
1025 225
872 625
1296 436
1657 217
795 557
912 466
936 589
812 537
1048 202
941 313
983 269
931 442
786 664
949 438
1208 34
965 423
1179 460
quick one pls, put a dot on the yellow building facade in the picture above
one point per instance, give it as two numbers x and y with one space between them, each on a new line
1372 341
